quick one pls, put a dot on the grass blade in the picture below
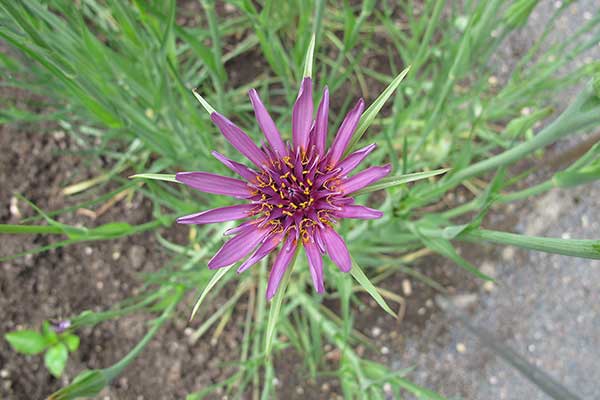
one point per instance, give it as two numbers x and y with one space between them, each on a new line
567 247
29 229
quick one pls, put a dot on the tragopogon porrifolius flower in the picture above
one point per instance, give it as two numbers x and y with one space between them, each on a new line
294 194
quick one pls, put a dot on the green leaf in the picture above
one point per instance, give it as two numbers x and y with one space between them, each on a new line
87 384
363 281
27 341
29 229
567 179
419 391
111 229
72 341
157 177
49 333
445 248
518 12
400 180
583 248
55 359
201 51
369 115
213 281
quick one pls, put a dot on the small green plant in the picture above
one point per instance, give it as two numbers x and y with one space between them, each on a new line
55 340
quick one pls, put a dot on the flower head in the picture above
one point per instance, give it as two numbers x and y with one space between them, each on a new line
295 193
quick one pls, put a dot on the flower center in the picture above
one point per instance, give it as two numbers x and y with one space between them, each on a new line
297 187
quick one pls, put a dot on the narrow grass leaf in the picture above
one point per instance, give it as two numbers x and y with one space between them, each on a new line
568 247
29 229
419 391
445 248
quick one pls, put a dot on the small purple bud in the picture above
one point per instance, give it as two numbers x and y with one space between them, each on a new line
61 326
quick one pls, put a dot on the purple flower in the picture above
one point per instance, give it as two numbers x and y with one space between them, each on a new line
61 326
295 192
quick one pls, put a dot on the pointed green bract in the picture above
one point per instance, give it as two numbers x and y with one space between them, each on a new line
366 284
213 281
400 180
308 62
156 177
209 109
370 113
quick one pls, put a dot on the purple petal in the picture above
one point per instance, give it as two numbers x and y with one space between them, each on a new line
319 138
239 140
352 161
264 250
364 178
302 115
217 184
237 248
243 227
266 124
336 248
219 214
358 212
315 263
240 169
344 134
281 263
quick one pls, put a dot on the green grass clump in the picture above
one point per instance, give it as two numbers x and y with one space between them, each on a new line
121 74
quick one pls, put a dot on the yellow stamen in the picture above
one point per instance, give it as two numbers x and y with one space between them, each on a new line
287 162
304 159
